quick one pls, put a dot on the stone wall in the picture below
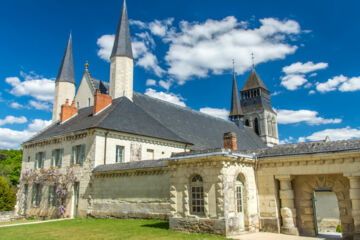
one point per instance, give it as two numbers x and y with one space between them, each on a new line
136 194
6 216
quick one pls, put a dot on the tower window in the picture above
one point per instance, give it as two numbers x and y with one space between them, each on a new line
247 122
256 126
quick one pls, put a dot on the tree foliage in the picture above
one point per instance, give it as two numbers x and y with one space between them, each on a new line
10 166
7 197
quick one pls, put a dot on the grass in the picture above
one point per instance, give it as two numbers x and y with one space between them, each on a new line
99 229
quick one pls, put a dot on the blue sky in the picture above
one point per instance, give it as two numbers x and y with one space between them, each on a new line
306 52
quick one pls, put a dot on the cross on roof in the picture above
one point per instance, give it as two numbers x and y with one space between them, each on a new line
252 59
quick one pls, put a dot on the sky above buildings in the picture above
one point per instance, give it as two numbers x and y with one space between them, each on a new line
306 52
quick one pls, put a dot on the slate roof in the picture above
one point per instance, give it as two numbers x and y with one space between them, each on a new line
253 81
309 148
147 116
101 85
122 43
130 166
235 109
66 72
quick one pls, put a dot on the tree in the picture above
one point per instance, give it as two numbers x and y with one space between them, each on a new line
7 197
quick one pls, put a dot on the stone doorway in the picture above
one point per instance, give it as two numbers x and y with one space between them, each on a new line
305 186
326 213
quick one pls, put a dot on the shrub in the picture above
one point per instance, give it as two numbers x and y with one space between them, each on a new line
338 228
7 197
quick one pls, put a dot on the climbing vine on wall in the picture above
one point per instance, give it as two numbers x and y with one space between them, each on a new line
53 177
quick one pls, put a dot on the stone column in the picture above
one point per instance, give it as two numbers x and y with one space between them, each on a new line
288 211
355 201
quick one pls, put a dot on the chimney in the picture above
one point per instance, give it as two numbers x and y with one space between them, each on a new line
101 101
230 141
68 111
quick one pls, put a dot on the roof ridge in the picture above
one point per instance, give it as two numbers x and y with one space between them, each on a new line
183 108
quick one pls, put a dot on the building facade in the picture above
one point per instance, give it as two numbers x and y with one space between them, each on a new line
127 155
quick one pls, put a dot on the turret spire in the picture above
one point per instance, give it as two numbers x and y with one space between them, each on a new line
66 72
122 43
235 112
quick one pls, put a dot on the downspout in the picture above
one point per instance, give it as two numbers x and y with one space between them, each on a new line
257 191
105 143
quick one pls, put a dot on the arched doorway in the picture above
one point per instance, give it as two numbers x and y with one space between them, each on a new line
326 213
306 185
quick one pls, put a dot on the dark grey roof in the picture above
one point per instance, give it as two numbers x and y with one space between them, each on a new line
66 72
253 81
152 117
122 43
235 110
309 148
101 85
130 166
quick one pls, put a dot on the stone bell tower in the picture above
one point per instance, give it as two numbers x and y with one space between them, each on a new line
257 109
65 82
121 60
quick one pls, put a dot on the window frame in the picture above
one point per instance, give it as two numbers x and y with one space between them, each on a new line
78 155
117 153
197 200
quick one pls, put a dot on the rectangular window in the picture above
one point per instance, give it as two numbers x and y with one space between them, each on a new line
36 195
239 199
52 198
78 154
56 157
39 160
119 154
150 154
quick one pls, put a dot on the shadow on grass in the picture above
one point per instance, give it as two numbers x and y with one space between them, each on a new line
161 225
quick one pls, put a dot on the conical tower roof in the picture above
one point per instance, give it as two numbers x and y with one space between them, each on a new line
253 82
122 43
66 72
235 100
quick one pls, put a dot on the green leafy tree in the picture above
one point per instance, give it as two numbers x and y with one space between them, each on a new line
10 166
7 197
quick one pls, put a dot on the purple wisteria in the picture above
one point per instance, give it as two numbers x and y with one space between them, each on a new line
53 177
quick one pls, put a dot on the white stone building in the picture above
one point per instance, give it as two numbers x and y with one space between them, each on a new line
135 156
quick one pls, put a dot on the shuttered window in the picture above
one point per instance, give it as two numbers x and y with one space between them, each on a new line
36 195
56 157
39 160
78 154
119 154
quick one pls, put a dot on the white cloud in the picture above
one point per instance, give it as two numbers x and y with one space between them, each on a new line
169 97
351 85
307 116
105 43
13 138
216 112
12 120
165 84
16 105
311 92
40 105
149 62
137 23
287 140
160 28
200 48
303 68
150 82
333 134
331 84
33 85
293 82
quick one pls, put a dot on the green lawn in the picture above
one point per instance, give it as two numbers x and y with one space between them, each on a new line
98 229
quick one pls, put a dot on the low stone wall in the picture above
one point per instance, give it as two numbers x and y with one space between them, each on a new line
6 216
199 225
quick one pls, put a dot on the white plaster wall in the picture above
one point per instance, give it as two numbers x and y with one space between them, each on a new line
121 77
63 91
84 92
162 148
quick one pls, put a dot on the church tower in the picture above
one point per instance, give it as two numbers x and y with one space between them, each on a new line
257 109
236 113
65 82
121 60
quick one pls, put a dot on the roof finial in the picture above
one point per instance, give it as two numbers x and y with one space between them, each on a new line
233 61
252 59
87 66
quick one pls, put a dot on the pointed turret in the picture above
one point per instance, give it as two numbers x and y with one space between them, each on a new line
66 72
122 61
254 81
235 111
65 82
122 43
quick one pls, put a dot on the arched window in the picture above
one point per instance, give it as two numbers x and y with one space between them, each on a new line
197 195
239 188
247 122
256 126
